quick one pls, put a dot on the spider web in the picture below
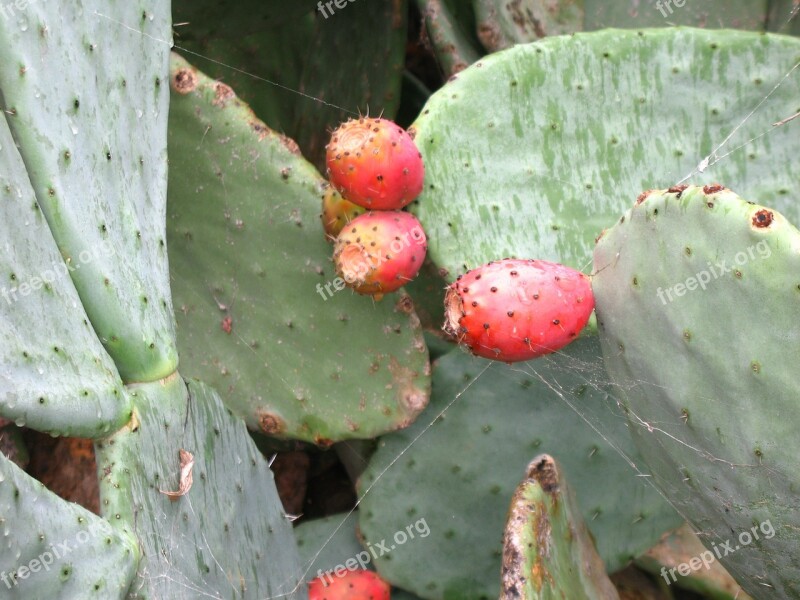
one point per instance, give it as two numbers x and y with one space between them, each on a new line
591 372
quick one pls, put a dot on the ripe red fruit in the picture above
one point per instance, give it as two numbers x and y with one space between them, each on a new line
375 164
337 212
353 585
380 251
514 310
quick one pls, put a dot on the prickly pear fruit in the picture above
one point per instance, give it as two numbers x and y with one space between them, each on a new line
514 310
375 163
353 585
337 212
379 252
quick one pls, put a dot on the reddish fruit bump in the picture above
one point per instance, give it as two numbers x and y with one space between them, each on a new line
352 585
375 164
337 212
379 252
513 310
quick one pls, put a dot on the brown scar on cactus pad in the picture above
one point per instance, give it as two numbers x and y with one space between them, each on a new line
545 472
222 93
405 304
641 198
713 189
271 424
184 81
762 219
677 189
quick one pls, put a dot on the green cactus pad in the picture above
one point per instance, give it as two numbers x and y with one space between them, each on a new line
713 14
464 469
450 26
697 305
532 151
227 536
85 95
55 375
302 71
501 24
55 549
548 553
326 543
246 244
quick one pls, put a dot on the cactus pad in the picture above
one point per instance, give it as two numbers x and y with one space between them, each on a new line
548 553
55 549
464 469
250 264
99 186
697 305
588 120
55 375
227 536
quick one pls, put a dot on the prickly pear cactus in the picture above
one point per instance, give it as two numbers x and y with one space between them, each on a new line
258 315
55 375
562 149
113 244
470 460
548 552
228 534
88 331
55 549
696 293
713 14
450 27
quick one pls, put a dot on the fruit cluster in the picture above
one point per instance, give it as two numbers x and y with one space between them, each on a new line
510 310
375 169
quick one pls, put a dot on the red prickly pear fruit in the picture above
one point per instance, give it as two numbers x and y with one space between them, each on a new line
513 310
353 585
379 252
375 163
337 212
